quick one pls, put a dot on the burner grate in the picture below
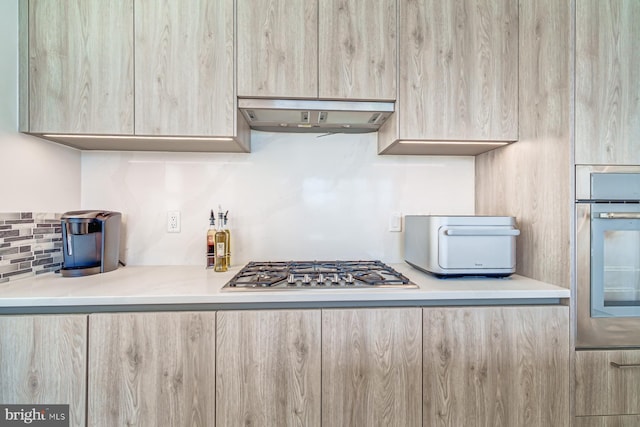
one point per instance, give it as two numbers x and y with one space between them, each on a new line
317 275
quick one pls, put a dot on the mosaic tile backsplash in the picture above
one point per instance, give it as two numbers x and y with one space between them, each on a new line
30 244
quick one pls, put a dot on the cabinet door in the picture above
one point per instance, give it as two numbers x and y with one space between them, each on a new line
459 70
277 48
607 82
184 67
371 364
496 366
268 368
357 49
603 388
151 369
43 360
81 66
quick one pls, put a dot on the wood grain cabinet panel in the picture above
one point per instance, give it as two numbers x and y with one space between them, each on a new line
140 68
357 49
43 360
371 364
328 49
80 65
151 369
608 421
496 366
268 368
277 48
184 62
604 389
458 78
607 84
459 69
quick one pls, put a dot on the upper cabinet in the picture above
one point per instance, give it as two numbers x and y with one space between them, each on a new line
357 49
607 120
184 67
131 74
327 49
79 65
277 48
458 78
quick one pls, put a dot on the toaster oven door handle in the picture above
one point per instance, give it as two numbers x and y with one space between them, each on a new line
481 232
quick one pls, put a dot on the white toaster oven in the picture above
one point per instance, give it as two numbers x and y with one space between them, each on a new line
461 245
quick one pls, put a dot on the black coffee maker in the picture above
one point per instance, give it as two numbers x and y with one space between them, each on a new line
90 242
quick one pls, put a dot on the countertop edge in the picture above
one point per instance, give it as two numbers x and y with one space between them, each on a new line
192 286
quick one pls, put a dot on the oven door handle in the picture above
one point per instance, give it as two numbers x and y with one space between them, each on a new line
619 215
481 232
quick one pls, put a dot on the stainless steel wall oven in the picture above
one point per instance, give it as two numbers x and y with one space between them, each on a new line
608 256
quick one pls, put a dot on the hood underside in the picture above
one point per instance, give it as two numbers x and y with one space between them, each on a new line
309 116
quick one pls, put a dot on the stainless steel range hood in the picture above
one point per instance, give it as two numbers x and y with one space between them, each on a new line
308 116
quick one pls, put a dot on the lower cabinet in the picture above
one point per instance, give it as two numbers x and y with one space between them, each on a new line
151 369
453 366
496 366
268 368
608 384
371 367
352 367
43 360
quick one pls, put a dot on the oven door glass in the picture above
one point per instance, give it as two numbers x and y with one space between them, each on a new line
615 260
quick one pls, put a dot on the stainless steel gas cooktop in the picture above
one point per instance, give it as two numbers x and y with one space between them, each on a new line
294 275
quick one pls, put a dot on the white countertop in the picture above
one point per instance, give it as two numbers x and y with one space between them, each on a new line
143 285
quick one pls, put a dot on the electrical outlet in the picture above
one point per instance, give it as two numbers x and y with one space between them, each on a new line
173 221
395 221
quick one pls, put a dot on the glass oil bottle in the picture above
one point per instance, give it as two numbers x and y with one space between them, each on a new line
211 241
221 246
228 232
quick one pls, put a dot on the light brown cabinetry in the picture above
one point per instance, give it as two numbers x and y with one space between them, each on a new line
496 366
43 360
608 421
607 82
131 75
151 369
277 48
357 49
607 382
532 178
78 75
371 367
184 62
268 368
330 49
458 77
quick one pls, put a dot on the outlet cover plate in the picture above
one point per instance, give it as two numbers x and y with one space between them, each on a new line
173 221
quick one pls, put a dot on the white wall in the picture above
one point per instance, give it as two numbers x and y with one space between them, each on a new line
35 175
295 196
